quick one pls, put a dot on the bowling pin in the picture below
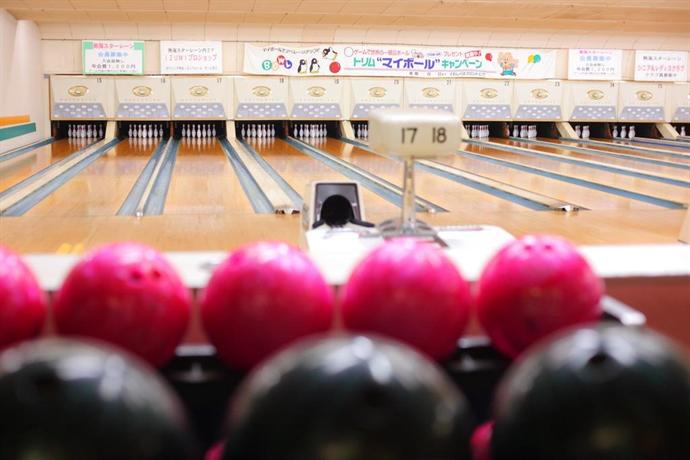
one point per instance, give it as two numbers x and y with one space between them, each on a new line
523 131
100 132
69 130
203 132
243 132
682 130
578 131
295 131
161 132
198 131
83 132
516 131
214 133
615 131
301 131
151 131
631 132
585 132
624 132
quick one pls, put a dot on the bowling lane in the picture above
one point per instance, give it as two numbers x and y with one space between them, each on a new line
16 170
204 182
634 184
299 170
571 193
664 171
617 148
448 194
102 187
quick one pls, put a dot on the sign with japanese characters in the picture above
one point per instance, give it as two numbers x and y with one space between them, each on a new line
108 57
661 65
595 64
399 61
191 57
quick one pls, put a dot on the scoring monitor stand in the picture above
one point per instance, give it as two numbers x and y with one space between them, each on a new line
336 231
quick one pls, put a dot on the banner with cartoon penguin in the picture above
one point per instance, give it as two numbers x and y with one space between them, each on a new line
399 61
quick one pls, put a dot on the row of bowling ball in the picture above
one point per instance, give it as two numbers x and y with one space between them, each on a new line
268 294
595 392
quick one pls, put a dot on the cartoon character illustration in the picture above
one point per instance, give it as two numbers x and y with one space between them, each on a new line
302 68
508 64
329 53
314 67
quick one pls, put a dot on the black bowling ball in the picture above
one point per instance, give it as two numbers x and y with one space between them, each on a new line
596 393
69 400
348 398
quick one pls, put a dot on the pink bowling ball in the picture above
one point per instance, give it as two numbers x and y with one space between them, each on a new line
409 290
263 297
532 287
215 452
481 441
129 295
22 303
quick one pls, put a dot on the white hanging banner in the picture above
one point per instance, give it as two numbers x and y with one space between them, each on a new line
112 57
661 65
399 61
595 64
191 57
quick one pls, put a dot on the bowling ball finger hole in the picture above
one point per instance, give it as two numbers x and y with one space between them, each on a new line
600 367
136 276
598 360
46 384
156 274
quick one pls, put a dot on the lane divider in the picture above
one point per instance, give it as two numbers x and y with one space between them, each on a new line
58 165
663 143
287 189
628 146
523 197
584 163
25 149
255 194
152 201
381 187
131 203
662 202
602 153
29 193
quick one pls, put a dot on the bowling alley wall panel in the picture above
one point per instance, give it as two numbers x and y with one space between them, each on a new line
332 98
21 77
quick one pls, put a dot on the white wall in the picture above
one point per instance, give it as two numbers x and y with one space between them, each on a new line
62 42
21 76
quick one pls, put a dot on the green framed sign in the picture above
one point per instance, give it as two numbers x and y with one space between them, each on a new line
112 57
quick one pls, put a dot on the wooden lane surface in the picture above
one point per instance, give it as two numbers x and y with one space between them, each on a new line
633 184
617 148
17 169
299 170
102 187
225 231
583 196
649 168
443 192
204 182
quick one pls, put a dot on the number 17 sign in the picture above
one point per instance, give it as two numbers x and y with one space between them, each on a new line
414 133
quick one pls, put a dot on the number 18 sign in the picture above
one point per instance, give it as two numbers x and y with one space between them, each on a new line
414 133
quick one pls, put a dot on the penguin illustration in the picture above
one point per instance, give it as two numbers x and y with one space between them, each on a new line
314 67
302 68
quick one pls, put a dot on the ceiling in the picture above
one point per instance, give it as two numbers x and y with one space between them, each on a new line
666 16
